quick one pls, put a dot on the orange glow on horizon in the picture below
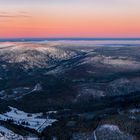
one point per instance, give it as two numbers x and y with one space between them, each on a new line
72 28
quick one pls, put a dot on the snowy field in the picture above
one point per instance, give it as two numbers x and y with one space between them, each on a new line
33 121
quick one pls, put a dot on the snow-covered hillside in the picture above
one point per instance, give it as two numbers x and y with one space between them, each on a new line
31 55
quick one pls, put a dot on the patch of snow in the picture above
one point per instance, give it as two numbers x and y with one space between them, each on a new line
94 134
33 121
110 132
133 111
3 94
15 93
5 44
132 117
124 63
51 112
123 86
109 127
37 87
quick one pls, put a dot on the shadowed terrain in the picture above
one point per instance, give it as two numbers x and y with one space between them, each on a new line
90 86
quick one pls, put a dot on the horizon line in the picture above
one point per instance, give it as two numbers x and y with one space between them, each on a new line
1 38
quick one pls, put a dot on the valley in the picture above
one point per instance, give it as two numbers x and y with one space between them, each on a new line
70 90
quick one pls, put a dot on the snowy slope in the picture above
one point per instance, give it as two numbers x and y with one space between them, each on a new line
31 55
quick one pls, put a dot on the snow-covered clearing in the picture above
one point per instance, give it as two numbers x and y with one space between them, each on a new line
33 121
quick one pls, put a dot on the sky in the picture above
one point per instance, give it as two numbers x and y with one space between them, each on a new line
69 18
